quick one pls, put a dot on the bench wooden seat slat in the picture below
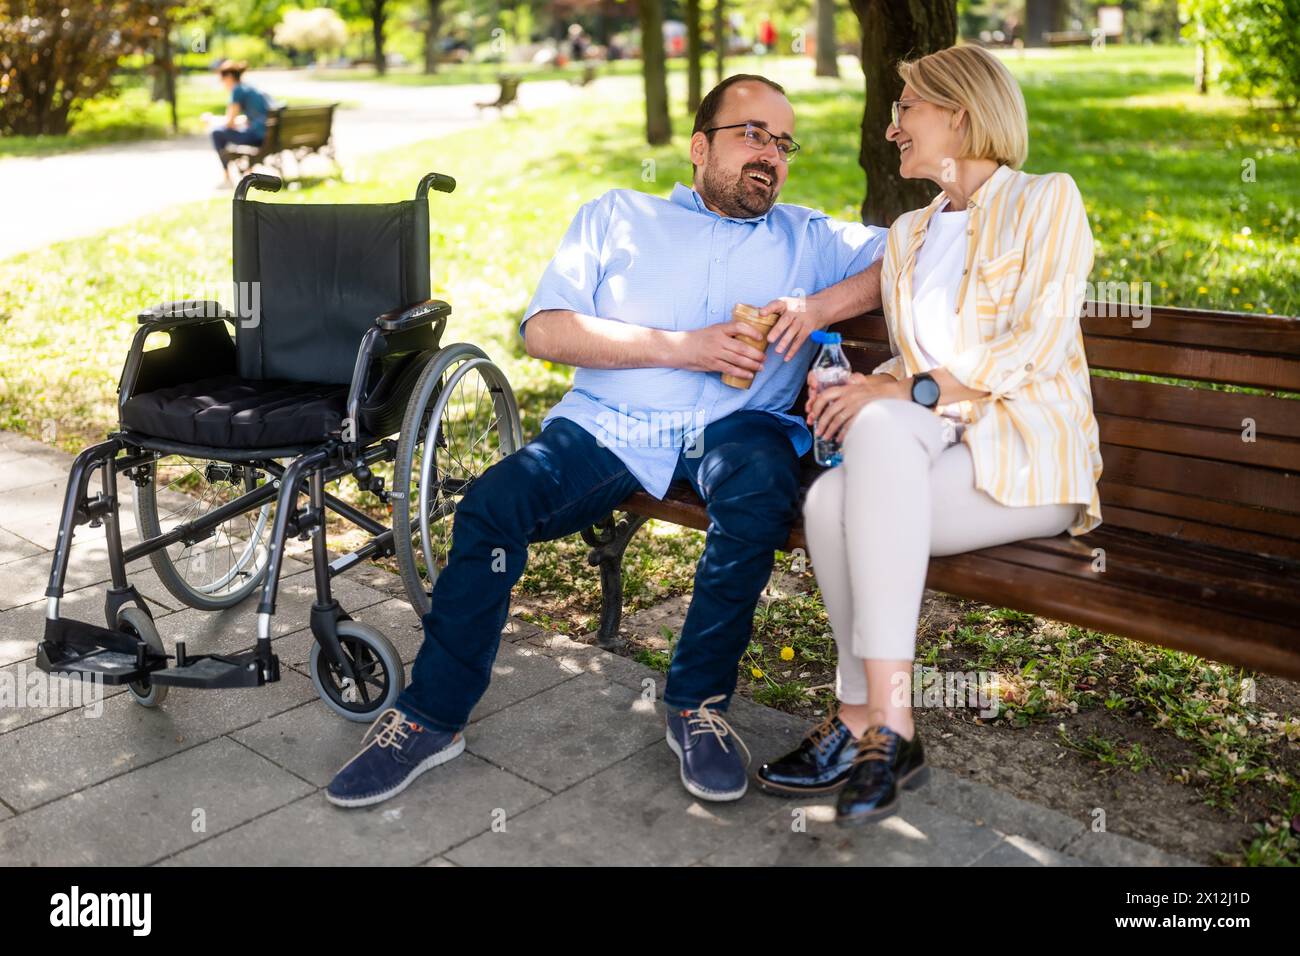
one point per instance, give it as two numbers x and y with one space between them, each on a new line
1201 529
1090 600
1201 519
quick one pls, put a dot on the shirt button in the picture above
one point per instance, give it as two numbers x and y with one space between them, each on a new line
964 271
1029 366
717 260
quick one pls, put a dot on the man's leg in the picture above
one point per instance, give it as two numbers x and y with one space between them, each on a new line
748 476
557 484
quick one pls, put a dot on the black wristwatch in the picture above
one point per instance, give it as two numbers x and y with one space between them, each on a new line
925 390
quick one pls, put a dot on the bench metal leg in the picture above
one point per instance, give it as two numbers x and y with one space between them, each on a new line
608 540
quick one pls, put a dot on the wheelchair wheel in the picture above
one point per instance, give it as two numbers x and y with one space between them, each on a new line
224 568
461 419
138 622
378 667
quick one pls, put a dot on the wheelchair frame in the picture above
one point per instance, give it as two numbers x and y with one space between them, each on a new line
117 656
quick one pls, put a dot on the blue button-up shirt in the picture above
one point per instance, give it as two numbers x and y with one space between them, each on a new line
675 264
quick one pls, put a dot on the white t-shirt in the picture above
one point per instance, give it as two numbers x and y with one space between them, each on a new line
936 277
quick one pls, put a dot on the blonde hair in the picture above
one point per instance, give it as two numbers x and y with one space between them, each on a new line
972 79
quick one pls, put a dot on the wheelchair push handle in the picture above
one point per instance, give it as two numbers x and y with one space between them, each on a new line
444 184
271 184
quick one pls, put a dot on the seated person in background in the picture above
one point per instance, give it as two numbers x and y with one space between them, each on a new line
245 100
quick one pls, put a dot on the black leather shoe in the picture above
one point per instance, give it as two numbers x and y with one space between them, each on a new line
884 763
820 764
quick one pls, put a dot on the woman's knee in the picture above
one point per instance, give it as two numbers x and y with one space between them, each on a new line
883 422
825 498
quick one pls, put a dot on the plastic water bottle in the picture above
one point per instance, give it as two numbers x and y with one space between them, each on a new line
829 368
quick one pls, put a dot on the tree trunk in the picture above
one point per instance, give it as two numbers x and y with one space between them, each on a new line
892 32
827 64
720 36
658 130
431 32
1042 16
377 15
694 69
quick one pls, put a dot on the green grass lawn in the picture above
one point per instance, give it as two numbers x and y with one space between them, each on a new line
1158 166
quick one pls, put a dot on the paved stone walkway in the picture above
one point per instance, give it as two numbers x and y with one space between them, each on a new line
565 764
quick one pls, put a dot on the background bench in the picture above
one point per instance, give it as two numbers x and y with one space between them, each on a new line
1201 532
508 93
297 131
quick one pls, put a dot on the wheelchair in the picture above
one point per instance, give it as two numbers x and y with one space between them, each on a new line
330 367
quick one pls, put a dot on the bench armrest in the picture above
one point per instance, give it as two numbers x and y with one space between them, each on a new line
166 312
413 316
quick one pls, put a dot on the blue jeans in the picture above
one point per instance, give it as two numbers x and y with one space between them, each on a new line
222 137
563 481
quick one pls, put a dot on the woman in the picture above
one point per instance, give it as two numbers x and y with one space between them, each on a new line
978 431
245 99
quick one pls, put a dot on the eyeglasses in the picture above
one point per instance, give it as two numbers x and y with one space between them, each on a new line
757 138
894 108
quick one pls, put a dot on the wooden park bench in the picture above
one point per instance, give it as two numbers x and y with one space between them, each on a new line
1199 549
297 131
586 77
508 94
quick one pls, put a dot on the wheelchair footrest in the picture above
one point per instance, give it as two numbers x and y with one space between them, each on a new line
213 671
114 657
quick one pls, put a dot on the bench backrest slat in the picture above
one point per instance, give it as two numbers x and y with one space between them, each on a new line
304 126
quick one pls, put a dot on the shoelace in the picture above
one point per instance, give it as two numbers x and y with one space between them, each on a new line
819 734
872 745
392 733
706 721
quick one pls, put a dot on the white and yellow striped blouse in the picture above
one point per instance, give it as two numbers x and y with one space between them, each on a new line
1034 439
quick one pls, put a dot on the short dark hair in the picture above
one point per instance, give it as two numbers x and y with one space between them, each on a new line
233 68
712 102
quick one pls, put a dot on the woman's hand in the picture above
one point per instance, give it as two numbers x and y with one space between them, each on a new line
830 410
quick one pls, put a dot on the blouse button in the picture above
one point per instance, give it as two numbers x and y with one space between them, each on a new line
1029 366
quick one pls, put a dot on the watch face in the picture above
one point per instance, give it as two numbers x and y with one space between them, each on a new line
926 392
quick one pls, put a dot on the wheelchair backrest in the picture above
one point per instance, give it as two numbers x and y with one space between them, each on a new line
318 275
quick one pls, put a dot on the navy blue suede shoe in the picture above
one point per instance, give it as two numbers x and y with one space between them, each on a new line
712 768
399 752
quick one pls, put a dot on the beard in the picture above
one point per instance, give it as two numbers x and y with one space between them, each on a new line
739 197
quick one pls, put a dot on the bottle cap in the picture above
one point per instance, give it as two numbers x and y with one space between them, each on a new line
825 338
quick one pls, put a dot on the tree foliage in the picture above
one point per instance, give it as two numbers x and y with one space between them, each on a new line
55 54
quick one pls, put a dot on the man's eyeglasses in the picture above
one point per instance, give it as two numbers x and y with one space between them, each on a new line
757 138
894 108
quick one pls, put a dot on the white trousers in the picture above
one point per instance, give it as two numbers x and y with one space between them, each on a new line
905 490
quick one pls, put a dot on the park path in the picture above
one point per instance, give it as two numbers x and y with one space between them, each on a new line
565 763
80 193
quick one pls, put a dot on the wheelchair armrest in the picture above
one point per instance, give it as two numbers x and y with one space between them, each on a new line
413 316
165 312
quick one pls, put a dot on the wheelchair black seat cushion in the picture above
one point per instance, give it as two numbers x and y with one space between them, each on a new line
232 412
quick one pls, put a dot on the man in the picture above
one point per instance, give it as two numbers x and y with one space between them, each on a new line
639 298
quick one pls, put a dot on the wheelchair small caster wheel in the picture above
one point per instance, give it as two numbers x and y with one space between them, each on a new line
375 661
136 621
